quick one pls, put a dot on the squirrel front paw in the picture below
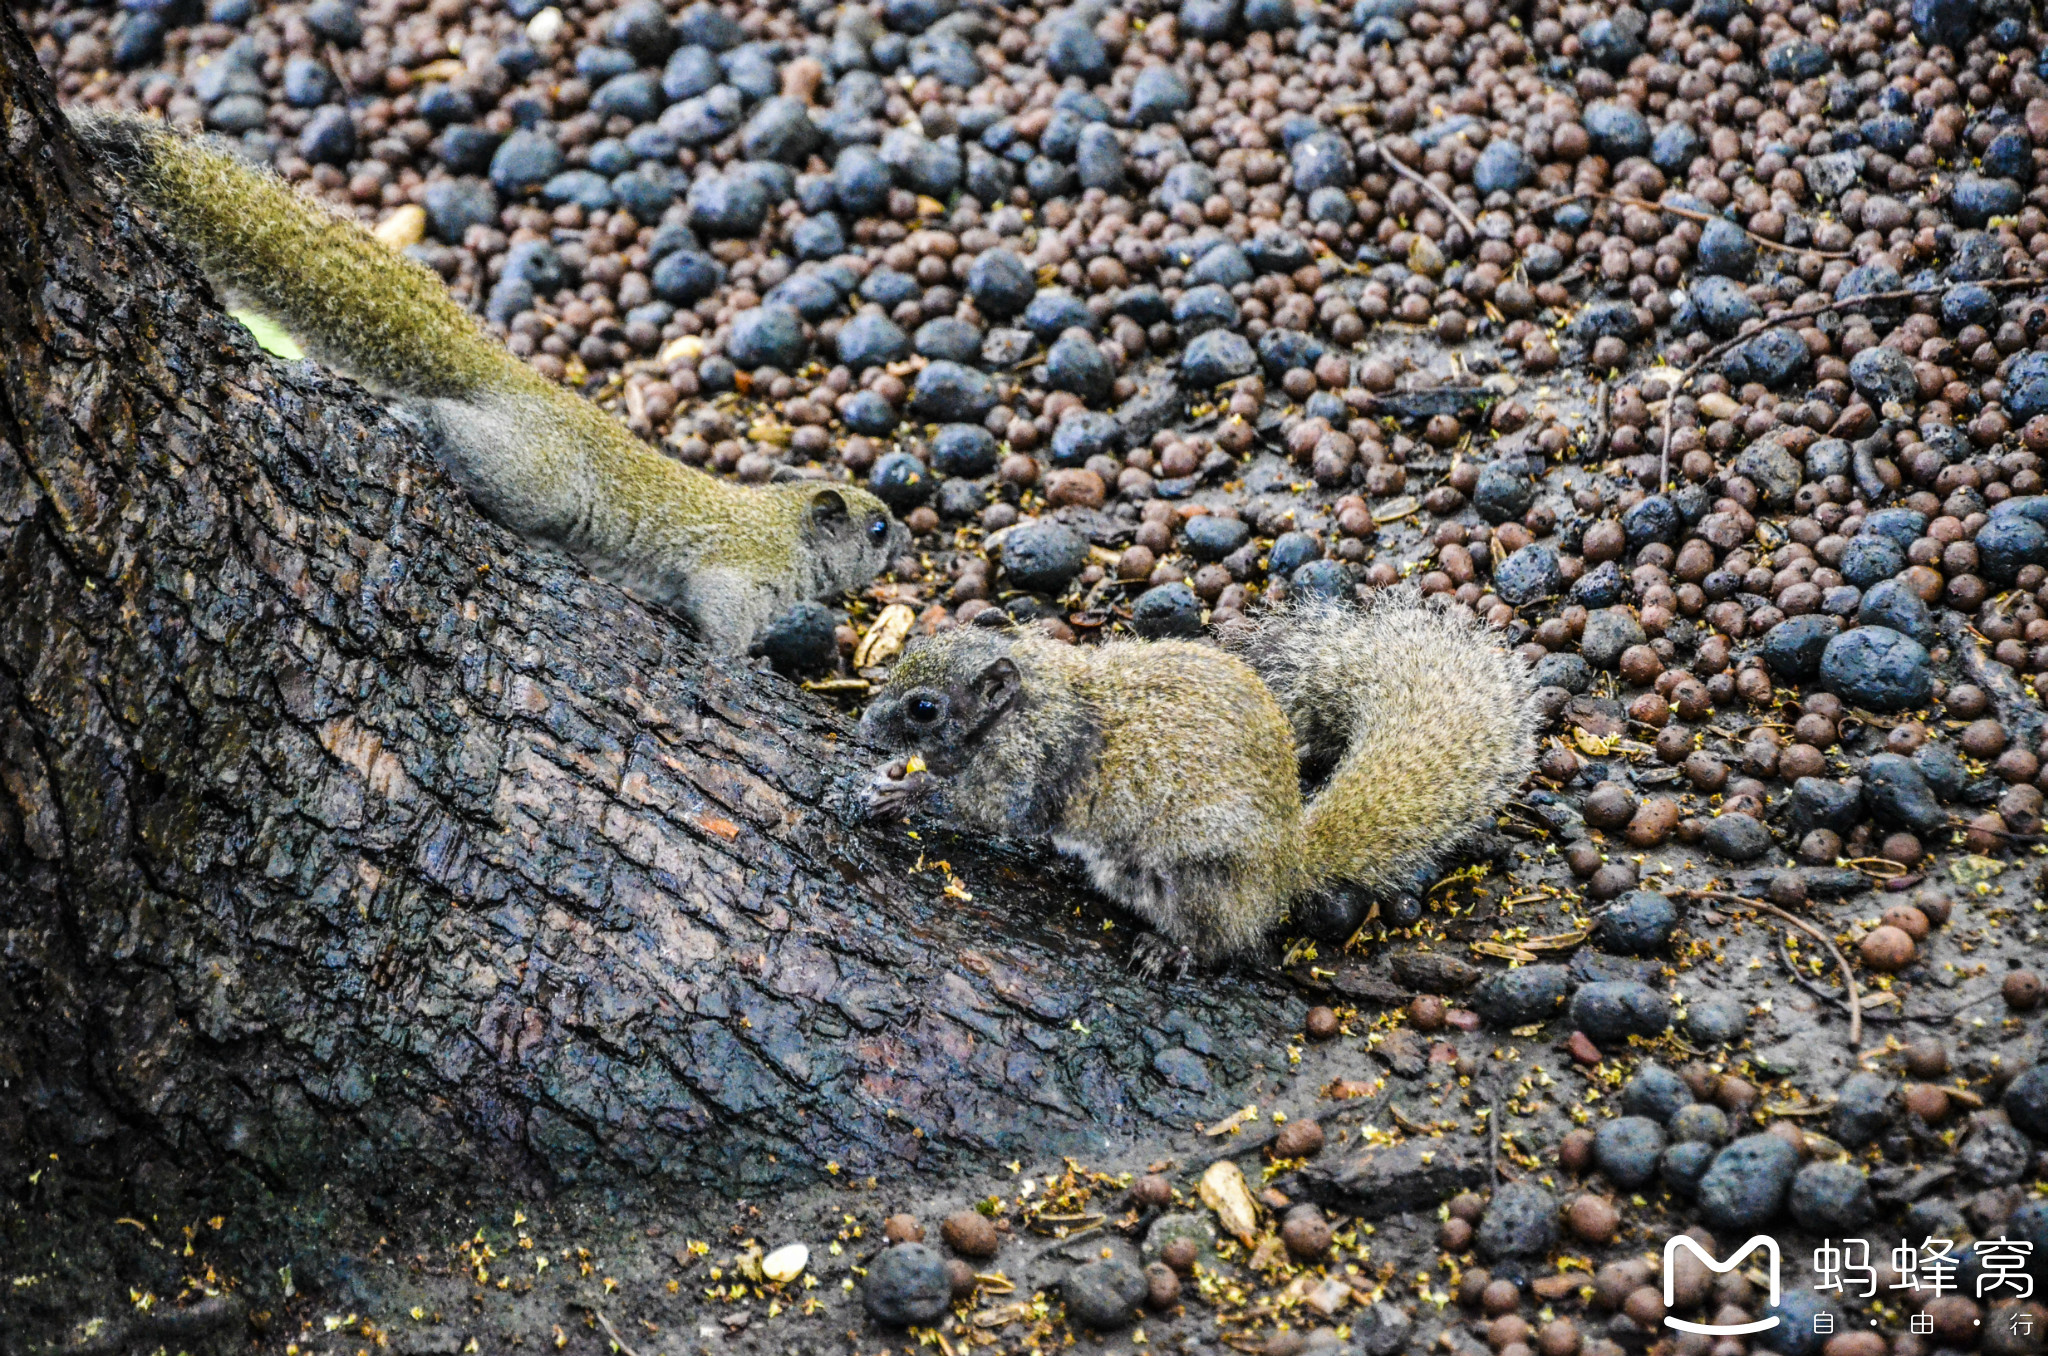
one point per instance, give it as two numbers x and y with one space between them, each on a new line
898 786
1157 957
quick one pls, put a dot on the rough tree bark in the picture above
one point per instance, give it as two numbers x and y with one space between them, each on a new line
343 836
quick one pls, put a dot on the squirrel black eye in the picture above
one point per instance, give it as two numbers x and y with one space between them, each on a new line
878 531
924 710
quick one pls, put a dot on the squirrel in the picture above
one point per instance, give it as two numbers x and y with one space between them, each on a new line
1174 770
534 456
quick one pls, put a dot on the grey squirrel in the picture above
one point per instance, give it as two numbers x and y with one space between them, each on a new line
1173 770
534 456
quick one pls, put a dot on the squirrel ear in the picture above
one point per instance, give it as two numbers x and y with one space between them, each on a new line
998 684
828 507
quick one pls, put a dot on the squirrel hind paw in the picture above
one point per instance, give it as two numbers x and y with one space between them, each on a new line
1157 957
1334 913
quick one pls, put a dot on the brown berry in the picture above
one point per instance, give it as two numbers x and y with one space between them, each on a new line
1162 1285
1791 1134
1926 1058
970 1233
1640 665
1509 1332
1650 709
902 1229
1500 1297
1887 949
1983 739
1575 1151
1958 1321
1558 1337
1966 701
1426 1012
1615 1282
1467 1206
1927 1102
1613 880
1152 1191
1908 920
1903 848
2021 990
1935 905
1180 1254
1700 1079
1298 1139
1787 890
1653 822
1737 1096
1321 1024
1820 847
1609 806
1645 1304
1592 1218
1306 1233
1801 760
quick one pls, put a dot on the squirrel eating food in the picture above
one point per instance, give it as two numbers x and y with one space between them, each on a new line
534 456
1173 771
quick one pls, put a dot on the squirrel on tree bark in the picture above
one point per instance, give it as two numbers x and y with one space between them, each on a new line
537 458
1174 770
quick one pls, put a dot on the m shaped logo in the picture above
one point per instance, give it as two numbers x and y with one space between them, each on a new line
1671 1247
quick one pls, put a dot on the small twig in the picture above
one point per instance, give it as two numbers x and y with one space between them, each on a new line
606 1324
1602 423
1571 274
1864 453
1721 349
1691 214
1493 1138
1977 1002
1819 991
1457 213
2016 710
340 69
1060 1243
1841 961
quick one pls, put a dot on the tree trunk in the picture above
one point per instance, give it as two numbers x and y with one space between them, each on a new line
345 837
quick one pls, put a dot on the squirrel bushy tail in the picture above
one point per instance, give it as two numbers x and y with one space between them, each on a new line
369 312
1418 726
532 455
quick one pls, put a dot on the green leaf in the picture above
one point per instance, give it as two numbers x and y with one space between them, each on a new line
268 334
